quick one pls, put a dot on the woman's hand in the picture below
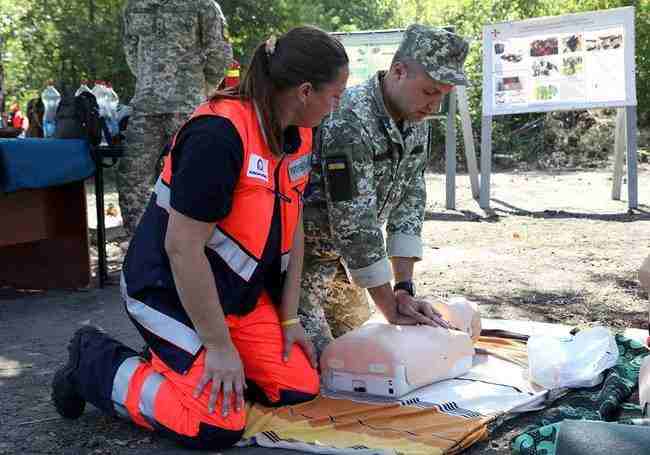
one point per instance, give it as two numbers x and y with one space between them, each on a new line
295 333
224 368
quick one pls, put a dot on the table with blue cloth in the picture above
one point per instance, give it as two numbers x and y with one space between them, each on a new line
43 228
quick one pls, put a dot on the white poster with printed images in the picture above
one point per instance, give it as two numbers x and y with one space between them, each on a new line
577 61
369 52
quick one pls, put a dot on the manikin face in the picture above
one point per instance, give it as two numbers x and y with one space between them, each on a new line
416 95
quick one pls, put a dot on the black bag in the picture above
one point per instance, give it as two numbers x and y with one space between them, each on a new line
77 117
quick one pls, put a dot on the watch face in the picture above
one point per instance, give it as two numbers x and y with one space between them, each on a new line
407 286
411 289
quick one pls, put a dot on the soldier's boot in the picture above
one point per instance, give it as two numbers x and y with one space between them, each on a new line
65 391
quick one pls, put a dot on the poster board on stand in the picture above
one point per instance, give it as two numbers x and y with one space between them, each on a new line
575 61
369 52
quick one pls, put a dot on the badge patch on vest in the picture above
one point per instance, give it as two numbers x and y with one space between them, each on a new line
300 167
258 167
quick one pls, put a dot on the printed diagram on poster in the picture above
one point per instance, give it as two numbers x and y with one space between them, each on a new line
558 63
369 52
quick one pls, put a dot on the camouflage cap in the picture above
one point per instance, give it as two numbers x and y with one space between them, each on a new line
441 52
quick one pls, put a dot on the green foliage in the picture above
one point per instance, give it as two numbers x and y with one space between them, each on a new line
643 59
10 48
67 40
469 17
251 21
70 40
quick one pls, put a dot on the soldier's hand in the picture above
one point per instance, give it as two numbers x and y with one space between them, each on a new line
295 334
411 311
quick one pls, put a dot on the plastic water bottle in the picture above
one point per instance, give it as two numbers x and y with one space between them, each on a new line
83 88
51 98
99 90
112 101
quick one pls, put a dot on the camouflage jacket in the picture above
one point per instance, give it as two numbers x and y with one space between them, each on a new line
367 173
177 51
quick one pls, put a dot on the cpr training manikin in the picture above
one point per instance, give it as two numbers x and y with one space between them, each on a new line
391 361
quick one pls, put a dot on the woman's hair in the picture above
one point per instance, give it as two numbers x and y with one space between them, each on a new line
303 54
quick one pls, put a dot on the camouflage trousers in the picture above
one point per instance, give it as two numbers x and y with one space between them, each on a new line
146 136
329 304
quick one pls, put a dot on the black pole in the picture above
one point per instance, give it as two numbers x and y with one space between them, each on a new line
102 273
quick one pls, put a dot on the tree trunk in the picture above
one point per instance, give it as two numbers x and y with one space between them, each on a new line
419 10
92 66
2 82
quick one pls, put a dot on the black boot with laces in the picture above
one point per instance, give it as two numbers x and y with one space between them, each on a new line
65 395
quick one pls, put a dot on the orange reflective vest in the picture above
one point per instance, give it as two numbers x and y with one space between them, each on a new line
240 238
242 251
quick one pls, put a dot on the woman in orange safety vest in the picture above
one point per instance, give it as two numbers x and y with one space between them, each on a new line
212 276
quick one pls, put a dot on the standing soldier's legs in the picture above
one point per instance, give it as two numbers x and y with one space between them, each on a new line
136 169
346 306
146 137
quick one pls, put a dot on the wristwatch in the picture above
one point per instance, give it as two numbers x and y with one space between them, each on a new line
407 286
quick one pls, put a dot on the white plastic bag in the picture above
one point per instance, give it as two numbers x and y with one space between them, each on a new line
572 361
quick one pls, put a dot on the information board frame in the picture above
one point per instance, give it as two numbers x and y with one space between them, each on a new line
621 20
538 53
369 51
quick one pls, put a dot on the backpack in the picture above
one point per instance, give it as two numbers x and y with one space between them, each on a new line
77 117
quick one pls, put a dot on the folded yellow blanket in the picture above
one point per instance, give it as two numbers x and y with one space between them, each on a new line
418 424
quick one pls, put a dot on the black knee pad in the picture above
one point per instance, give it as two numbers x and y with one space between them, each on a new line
209 437
287 397
290 397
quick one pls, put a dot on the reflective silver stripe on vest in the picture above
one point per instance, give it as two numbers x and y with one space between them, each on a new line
163 194
286 258
161 325
148 395
238 260
121 384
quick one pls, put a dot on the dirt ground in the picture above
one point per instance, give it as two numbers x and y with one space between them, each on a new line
554 247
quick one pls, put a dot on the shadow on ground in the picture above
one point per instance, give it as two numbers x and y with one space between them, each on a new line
570 307
638 214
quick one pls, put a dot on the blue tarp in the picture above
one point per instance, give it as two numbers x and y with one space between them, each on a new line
40 163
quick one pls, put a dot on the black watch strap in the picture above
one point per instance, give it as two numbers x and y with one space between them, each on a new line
407 286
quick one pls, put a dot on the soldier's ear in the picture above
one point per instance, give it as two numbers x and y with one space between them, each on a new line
400 70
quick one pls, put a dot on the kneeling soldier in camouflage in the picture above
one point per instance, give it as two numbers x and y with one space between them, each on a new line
368 172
